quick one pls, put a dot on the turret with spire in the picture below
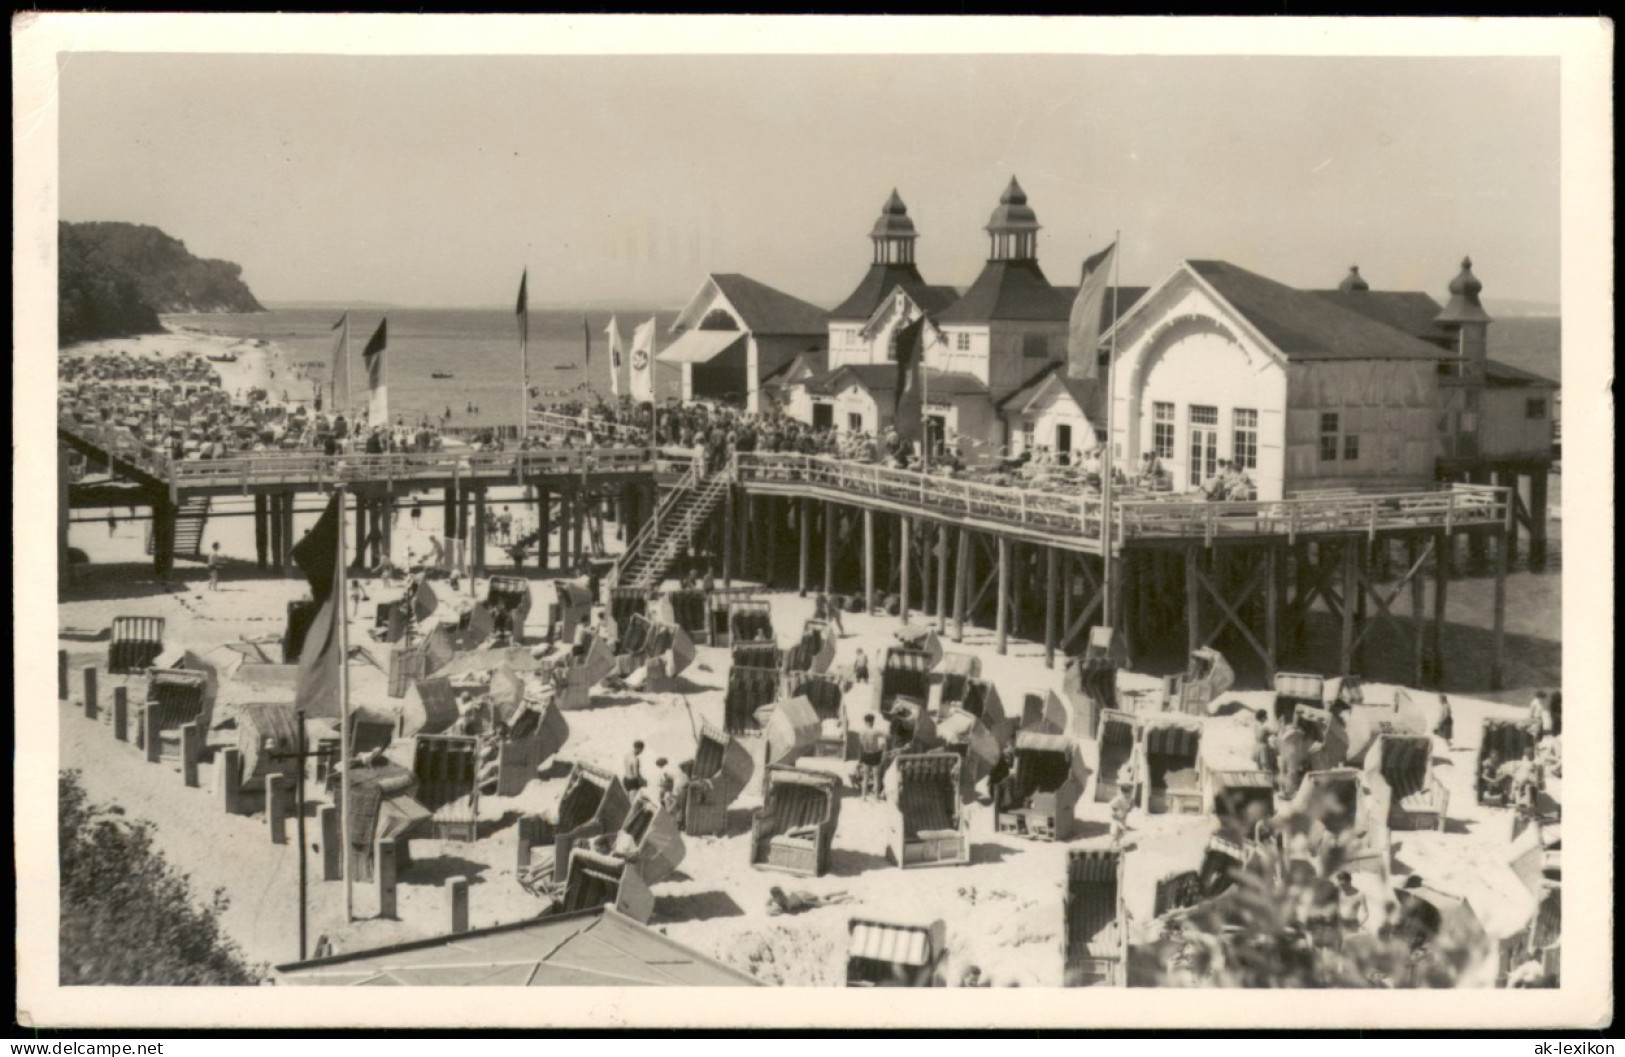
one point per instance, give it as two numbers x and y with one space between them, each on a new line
1353 282
894 234
1013 229
1465 317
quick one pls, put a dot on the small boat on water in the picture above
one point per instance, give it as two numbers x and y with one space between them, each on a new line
565 366
440 374
222 357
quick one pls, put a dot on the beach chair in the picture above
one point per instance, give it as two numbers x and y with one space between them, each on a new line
446 767
1320 728
1094 944
718 626
593 803
748 690
1042 712
722 769
135 643
982 701
902 673
890 954
1367 845
1235 797
1404 789
1509 740
920 639
929 826
599 880
1038 800
510 595
827 695
268 738
747 620
1118 753
587 664
407 665
1207 676
436 708
624 602
814 652
1089 685
1222 862
179 696
956 670
574 607
794 829
536 733
382 809
1172 749
968 738
688 611
744 654
1293 689
792 729
370 729
911 728
1176 891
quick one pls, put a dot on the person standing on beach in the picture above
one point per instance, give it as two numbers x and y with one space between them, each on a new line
112 524
214 567
632 769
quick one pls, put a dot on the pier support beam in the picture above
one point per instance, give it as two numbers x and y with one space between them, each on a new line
728 536
544 525
831 525
942 579
448 516
1351 589
1503 548
479 531
805 518
262 530
1442 548
1538 512
868 560
962 584
1052 581
906 538
1001 620
287 534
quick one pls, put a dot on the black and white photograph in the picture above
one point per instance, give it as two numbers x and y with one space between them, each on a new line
1067 508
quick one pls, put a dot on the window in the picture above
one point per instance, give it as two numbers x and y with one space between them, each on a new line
823 416
962 342
1328 437
1204 438
854 422
1351 447
1534 407
1028 435
1162 429
1244 437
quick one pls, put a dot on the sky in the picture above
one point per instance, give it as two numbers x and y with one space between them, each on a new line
431 181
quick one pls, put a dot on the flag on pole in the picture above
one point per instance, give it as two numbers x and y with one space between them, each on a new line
340 374
320 666
373 357
586 336
614 331
1083 332
908 408
522 308
641 383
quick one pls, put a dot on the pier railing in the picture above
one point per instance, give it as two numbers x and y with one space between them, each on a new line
324 470
1138 515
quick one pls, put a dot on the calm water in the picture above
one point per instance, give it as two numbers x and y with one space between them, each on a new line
479 347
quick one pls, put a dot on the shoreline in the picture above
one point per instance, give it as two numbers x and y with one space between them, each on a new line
261 363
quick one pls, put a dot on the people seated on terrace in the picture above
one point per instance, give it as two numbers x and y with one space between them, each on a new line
1237 486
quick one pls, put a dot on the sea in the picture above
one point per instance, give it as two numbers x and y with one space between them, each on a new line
478 347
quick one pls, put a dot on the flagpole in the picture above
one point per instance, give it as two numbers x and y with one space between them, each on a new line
342 614
1107 577
925 404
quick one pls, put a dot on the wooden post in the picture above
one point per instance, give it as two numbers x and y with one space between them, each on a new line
1441 588
905 532
806 531
228 780
544 525
332 843
384 876
154 739
1351 588
868 560
386 526
1001 620
1051 580
90 691
1503 548
457 897
727 536
1418 621
121 713
262 529
1538 499
273 517
191 749
942 579
830 527
1193 601
448 518
61 675
479 532
287 534
962 584
1272 619
1018 581
276 808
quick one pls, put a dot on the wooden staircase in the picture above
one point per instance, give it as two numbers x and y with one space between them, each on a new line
190 521
682 512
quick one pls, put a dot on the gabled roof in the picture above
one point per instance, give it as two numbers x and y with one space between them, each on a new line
1015 290
762 310
583 949
928 299
1505 375
880 378
879 281
1409 310
1087 393
1304 325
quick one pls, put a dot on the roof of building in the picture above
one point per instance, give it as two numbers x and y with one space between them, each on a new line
894 222
1306 325
590 948
1408 310
1464 306
764 310
1508 376
877 284
1085 392
1008 290
882 378
1353 282
1013 213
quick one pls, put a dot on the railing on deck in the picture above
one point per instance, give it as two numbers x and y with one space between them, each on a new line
270 468
120 442
1138 516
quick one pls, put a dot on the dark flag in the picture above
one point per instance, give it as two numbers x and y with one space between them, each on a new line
909 408
1084 328
320 666
522 308
373 357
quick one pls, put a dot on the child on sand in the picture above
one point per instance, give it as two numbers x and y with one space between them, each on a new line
1122 806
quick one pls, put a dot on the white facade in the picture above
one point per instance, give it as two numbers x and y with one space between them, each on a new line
966 349
1192 378
1051 418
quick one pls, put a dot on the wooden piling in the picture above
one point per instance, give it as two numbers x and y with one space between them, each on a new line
830 529
153 738
332 843
1503 549
962 584
905 536
1415 553
868 560
942 579
1193 601
457 898
121 713
1052 578
191 750
1002 612
1538 514
384 877
228 780
806 531
276 808
1441 590
262 529
61 675
90 692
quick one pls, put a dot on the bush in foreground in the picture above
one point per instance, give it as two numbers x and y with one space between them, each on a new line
128 917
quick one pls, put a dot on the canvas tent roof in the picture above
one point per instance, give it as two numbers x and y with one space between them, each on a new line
700 346
592 948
